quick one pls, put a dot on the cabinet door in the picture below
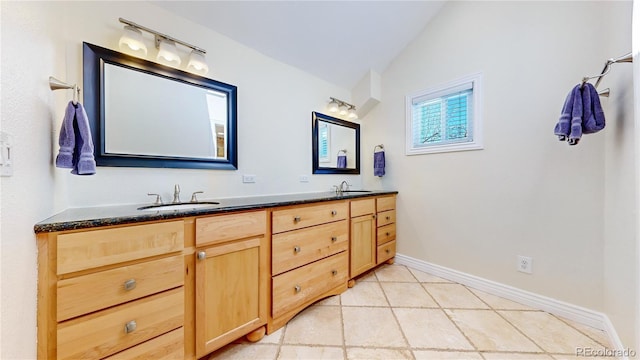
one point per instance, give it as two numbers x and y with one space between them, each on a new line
230 292
363 244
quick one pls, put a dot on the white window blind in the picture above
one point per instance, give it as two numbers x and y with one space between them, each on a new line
444 118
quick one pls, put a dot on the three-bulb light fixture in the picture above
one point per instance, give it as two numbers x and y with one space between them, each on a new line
133 43
342 108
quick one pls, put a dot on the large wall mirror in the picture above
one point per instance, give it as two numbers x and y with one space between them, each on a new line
335 145
143 114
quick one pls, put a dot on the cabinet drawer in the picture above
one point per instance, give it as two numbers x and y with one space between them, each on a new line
305 216
363 207
299 286
92 249
386 251
103 333
386 203
386 233
296 248
216 229
88 293
386 217
169 346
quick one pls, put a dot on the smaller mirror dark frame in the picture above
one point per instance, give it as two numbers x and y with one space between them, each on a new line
315 117
94 58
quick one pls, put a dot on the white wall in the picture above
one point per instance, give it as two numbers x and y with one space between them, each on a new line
526 193
40 39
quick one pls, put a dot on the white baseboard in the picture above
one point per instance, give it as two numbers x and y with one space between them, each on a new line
572 312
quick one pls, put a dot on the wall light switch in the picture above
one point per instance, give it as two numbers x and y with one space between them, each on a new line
6 154
248 178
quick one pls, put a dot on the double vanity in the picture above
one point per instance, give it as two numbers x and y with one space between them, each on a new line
121 283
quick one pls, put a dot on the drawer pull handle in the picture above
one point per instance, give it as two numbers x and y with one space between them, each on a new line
296 249
130 327
130 284
387 250
334 272
202 255
296 219
298 288
387 233
388 217
334 213
334 238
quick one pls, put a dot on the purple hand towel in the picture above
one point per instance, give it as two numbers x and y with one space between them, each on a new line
378 163
592 114
84 162
67 139
563 127
576 117
342 161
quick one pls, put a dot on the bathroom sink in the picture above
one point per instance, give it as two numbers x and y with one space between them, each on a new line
356 191
179 206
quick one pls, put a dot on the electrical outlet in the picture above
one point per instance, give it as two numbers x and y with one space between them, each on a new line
248 178
525 264
304 178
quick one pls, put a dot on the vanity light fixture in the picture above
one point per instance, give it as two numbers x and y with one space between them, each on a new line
342 108
132 41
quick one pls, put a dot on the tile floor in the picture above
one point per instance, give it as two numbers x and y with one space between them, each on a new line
394 312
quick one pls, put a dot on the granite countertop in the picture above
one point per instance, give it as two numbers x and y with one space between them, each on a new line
82 218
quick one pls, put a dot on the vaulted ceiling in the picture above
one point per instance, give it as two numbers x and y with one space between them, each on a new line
338 41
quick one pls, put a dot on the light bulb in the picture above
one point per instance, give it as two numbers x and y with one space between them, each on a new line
333 106
168 53
132 42
197 63
342 110
352 113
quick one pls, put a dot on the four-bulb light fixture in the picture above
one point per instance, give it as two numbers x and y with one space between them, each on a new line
133 43
342 108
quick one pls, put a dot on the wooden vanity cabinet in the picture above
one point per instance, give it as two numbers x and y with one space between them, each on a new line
386 229
231 280
363 236
309 257
111 291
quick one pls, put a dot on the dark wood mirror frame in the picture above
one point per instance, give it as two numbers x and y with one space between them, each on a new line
315 118
94 58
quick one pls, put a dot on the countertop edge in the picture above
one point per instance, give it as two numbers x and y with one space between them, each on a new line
129 214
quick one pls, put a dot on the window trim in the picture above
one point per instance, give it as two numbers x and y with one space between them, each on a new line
440 91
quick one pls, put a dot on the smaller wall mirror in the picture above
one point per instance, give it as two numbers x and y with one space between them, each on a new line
335 145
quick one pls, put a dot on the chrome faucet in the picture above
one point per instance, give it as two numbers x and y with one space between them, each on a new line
344 186
176 194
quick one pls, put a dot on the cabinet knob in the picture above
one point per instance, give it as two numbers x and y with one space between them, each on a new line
334 213
296 219
297 288
387 250
387 233
373 216
296 249
202 255
388 217
130 327
334 272
334 238
130 284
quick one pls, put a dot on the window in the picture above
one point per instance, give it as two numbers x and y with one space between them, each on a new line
445 118
323 143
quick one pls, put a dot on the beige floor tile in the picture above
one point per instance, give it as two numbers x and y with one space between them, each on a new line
454 296
368 326
394 273
368 276
445 355
499 303
430 328
378 354
292 352
273 338
574 357
407 295
548 332
600 336
246 351
316 325
490 332
513 356
424 277
364 294
330 301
